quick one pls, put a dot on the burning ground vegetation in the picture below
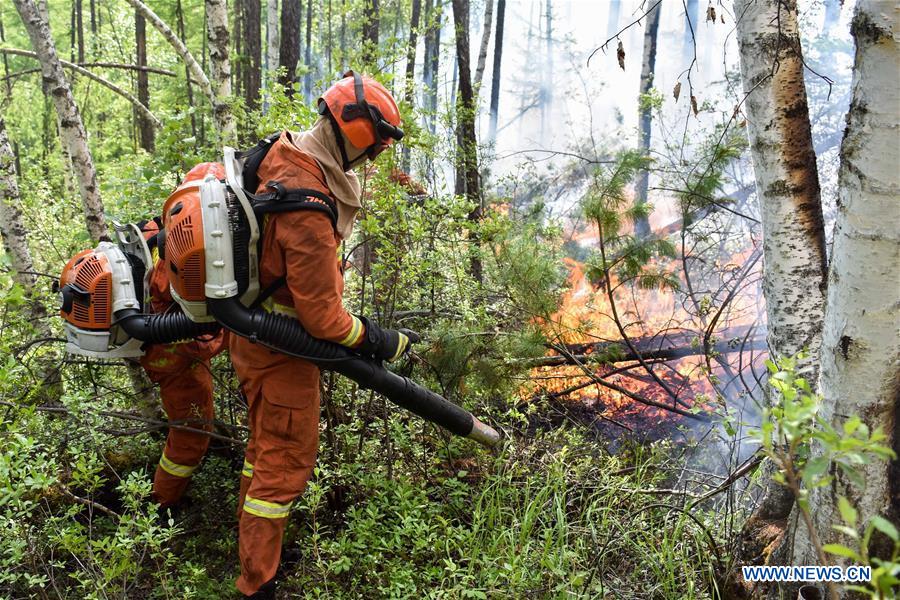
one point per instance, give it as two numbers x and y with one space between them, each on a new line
668 355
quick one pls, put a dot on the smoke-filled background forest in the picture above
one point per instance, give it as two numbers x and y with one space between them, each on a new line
654 243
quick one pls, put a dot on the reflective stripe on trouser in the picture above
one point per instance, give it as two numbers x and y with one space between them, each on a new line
173 468
266 510
284 424
186 391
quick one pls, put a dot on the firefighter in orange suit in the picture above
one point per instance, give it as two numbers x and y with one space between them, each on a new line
359 119
182 371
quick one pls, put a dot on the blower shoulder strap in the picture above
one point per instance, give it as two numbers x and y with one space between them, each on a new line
253 158
282 199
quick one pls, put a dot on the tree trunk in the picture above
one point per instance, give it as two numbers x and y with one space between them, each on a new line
485 40
432 64
860 347
146 130
410 83
179 24
547 73
787 181
466 145
12 225
645 116
495 76
787 187
271 35
71 127
79 28
691 22
220 67
307 78
289 52
252 50
237 77
370 26
15 242
832 15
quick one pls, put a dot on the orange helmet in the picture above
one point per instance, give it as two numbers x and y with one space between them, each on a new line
364 111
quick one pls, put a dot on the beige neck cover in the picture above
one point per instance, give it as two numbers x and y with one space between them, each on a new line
320 143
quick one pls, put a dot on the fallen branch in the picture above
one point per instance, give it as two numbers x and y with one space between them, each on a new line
89 503
669 347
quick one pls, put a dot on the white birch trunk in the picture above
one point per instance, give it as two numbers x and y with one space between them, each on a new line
71 127
485 41
860 359
220 66
272 38
12 226
787 182
787 186
15 243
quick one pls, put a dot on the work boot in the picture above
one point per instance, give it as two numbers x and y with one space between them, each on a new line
266 592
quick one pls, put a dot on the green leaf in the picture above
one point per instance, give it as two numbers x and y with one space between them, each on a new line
840 550
816 467
848 513
885 527
852 424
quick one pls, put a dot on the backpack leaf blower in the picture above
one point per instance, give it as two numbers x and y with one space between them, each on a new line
210 250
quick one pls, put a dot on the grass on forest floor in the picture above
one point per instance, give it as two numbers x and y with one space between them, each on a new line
551 517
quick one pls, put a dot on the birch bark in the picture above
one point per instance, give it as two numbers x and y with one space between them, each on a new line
787 182
787 187
71 127
271 35
485 41
12 225
860 358
220 66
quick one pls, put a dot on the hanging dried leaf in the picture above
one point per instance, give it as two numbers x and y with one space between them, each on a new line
711 14
694 104
742 124
620 54
722 18
677 91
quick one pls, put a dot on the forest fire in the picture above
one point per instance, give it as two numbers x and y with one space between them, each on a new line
672 369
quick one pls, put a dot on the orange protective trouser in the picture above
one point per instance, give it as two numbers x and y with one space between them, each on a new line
284 436
186 390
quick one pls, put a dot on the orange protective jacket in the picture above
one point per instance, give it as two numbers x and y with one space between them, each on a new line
283 392
301 246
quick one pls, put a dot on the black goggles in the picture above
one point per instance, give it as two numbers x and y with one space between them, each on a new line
363 110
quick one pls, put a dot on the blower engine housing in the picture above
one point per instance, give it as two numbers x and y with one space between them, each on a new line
98 283
211 242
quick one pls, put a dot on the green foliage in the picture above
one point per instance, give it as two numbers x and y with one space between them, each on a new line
631 259
806 448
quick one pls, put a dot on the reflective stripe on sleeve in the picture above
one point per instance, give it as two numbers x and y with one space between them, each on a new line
247 471
402 344
173 468
265 509
354 335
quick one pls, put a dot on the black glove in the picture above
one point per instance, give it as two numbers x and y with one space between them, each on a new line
385 344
